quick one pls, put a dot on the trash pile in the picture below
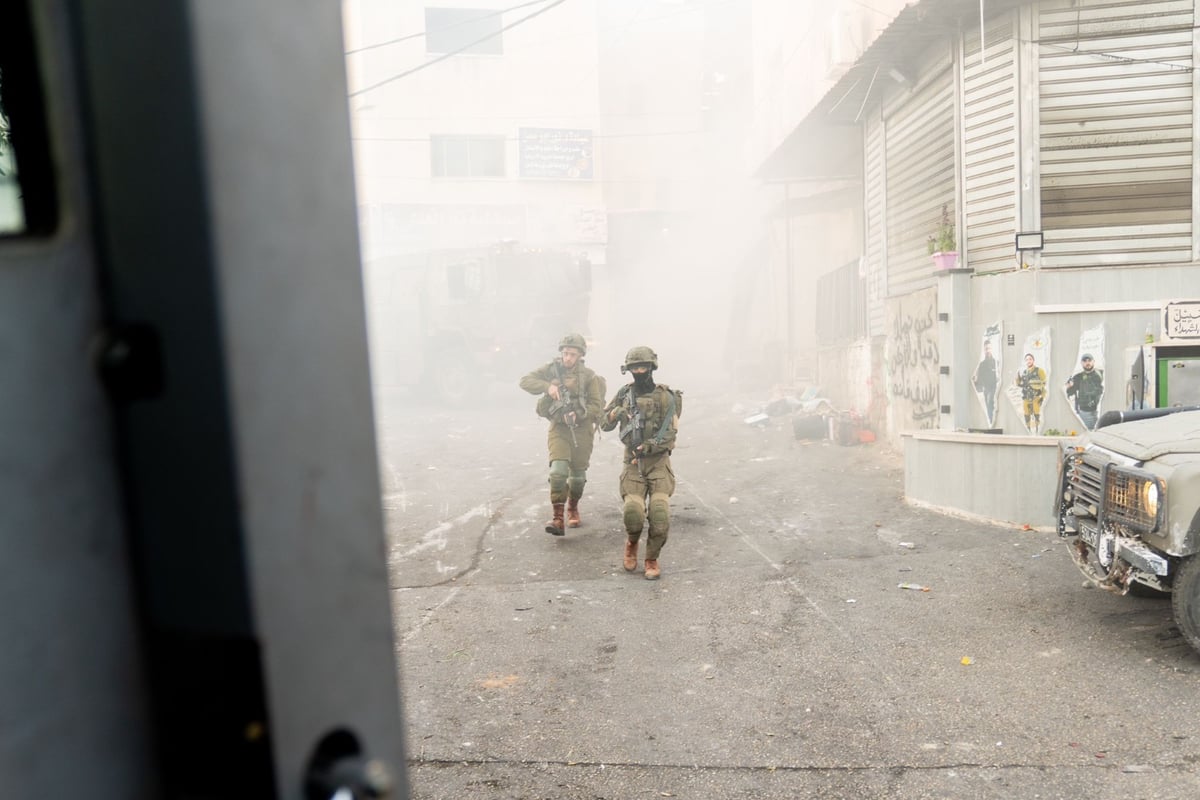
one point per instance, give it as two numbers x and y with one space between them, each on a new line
813 418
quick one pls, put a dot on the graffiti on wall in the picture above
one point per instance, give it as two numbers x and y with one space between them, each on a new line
912 360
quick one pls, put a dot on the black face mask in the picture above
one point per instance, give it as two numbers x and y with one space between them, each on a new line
643 382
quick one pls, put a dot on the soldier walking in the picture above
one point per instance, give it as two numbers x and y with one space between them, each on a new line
573 401
648 414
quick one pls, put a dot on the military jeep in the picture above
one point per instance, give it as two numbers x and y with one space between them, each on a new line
1128 503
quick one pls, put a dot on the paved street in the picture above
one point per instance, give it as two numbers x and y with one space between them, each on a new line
776 657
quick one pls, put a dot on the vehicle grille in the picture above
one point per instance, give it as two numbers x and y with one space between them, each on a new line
1083 477
1098 482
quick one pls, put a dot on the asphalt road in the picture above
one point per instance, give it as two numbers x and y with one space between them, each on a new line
777 657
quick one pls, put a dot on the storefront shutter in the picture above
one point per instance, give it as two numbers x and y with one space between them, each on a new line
919 144
990 146
1115 117
875 233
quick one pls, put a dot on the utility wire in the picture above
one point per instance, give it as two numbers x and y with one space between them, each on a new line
377 45
465 47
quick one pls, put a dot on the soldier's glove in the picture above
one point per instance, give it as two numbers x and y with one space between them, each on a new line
620 414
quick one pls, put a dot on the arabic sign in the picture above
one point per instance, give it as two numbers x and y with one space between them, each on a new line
1181 321
556 153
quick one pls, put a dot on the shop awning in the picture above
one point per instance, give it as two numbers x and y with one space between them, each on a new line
825 143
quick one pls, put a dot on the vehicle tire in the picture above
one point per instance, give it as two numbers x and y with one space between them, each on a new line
1185 601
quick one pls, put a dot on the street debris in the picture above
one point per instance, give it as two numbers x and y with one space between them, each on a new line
814 418
916 587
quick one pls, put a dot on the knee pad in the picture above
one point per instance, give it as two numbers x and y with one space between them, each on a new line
558 475
633 513
575 482
660 512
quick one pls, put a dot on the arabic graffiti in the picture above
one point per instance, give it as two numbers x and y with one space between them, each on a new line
912 359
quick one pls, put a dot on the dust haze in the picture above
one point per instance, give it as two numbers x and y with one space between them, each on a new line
611 131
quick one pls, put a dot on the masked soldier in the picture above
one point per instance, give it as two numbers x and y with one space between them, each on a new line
572 398
648 414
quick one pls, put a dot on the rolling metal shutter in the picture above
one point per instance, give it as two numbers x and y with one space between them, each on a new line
920 179
989 146
1115 95
874 187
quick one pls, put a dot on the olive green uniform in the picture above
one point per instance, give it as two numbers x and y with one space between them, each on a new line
647 472
570 454
1032 382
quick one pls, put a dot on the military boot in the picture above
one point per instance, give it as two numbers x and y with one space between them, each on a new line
572 512
652 571
555 526
630 561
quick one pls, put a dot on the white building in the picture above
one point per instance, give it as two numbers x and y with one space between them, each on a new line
463 137
1061 150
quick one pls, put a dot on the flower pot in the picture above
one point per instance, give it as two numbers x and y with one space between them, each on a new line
943 261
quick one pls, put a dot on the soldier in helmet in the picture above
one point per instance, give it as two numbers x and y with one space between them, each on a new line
648 414
572 398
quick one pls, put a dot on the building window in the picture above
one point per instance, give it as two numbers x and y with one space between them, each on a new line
463 30
467 156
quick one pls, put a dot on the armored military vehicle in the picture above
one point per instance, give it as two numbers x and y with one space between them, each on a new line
1128 503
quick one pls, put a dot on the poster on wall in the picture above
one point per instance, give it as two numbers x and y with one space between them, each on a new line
1027 387
1085 388
985 380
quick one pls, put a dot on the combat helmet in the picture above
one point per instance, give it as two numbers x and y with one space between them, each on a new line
573 340
640 355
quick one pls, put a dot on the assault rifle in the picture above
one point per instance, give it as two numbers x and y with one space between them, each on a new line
563 409
633 430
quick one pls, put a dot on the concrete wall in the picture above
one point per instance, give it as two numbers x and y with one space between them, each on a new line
1003 479
1067 302
851 365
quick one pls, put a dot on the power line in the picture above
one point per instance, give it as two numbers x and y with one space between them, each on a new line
452 25
464 48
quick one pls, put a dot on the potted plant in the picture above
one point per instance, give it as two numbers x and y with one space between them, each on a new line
943 244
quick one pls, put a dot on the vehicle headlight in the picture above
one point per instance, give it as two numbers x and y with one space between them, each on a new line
1150 498
1132 497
